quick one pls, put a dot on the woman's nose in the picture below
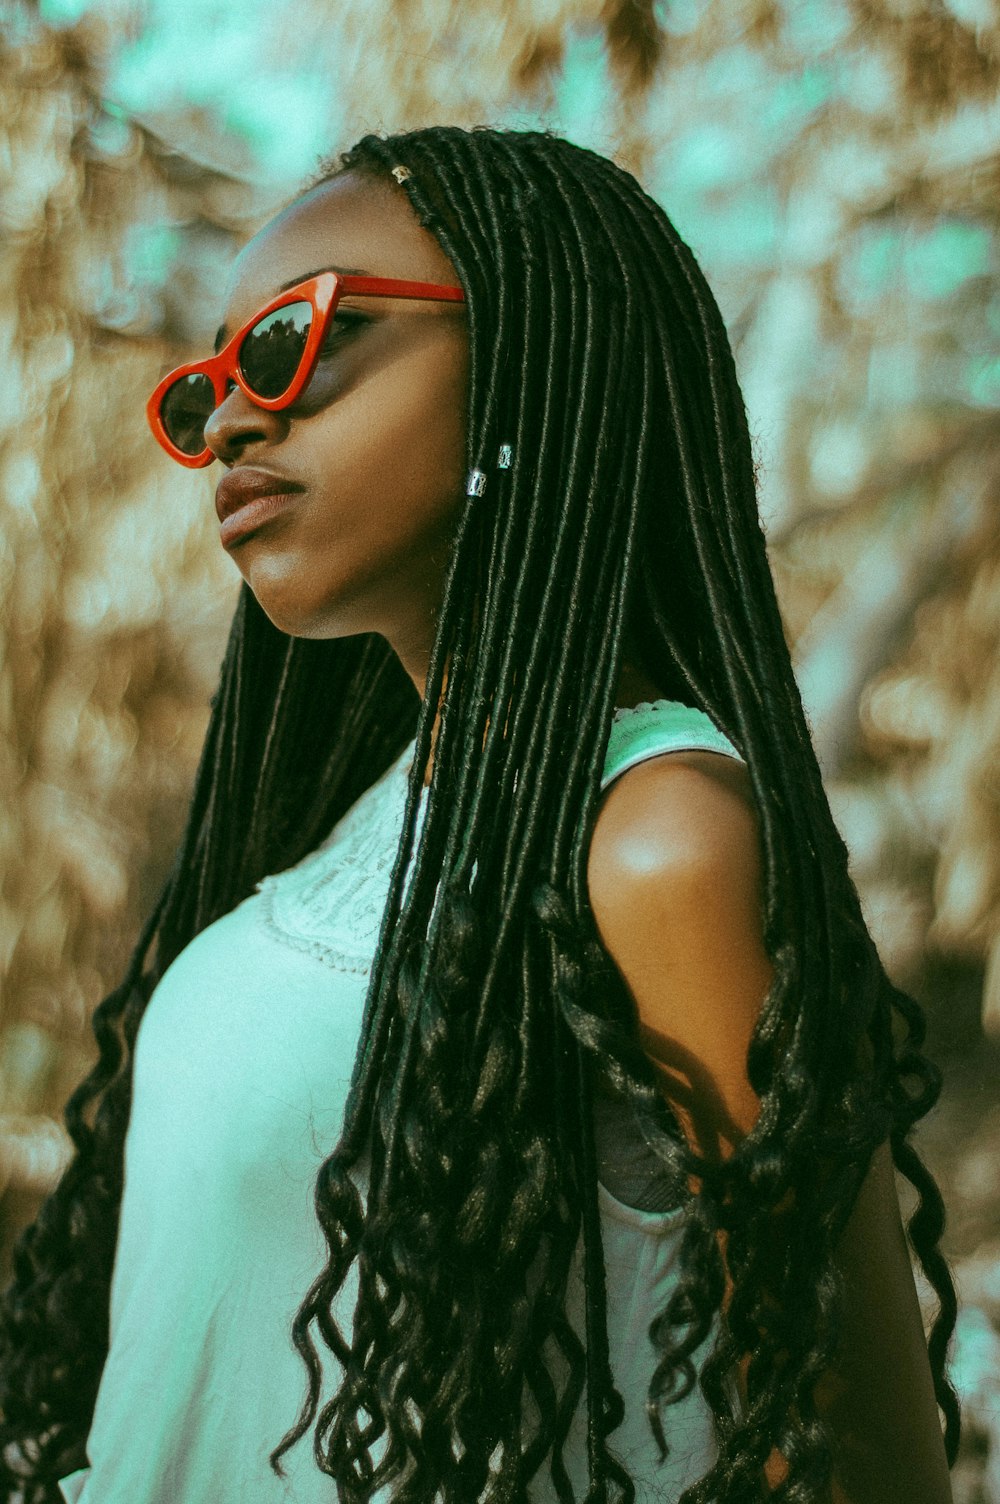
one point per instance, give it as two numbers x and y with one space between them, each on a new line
237 422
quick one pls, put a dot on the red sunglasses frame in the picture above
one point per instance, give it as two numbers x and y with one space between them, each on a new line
323 292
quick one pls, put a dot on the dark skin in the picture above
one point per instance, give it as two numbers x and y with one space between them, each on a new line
674 871
377 438
674 878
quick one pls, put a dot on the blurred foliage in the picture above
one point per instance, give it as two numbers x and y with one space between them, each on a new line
113 595
834 165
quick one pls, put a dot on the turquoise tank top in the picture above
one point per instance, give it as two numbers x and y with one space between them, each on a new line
656 726
242 1063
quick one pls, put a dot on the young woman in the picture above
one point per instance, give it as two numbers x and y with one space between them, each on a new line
510 1082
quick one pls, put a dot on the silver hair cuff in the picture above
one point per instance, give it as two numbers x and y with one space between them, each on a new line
476 483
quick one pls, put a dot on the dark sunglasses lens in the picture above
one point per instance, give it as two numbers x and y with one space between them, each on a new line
184 411
270 354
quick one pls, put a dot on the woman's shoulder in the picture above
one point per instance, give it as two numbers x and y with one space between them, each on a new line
676 797
675 884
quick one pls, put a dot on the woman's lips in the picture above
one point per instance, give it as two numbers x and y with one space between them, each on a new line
252 514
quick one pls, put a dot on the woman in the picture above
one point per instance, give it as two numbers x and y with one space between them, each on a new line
520 1084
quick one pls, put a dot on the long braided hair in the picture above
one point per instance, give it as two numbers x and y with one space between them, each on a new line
627 522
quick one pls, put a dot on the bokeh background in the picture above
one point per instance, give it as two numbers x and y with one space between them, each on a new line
835 165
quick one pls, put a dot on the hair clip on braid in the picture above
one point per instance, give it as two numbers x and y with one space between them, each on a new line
475 483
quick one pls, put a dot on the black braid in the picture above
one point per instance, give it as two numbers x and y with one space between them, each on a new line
465 1178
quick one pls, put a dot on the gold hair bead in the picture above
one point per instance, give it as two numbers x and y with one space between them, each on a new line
401 173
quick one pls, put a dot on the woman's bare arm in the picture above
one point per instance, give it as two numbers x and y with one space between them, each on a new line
674 881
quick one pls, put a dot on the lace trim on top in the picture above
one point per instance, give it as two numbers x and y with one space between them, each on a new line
330 904
652 726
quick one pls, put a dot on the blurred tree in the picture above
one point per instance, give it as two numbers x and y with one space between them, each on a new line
113 597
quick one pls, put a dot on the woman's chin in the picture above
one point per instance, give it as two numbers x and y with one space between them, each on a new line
298 619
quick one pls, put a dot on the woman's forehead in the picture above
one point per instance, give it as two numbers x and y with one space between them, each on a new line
354 223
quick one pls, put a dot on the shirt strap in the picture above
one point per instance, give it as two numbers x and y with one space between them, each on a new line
656 726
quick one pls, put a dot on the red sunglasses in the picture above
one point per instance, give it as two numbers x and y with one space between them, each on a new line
271 358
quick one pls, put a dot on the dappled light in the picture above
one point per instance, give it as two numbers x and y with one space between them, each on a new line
834 167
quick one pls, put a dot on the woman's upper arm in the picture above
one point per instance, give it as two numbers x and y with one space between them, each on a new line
674 883
674 876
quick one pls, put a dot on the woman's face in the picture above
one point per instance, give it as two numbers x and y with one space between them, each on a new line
376 440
